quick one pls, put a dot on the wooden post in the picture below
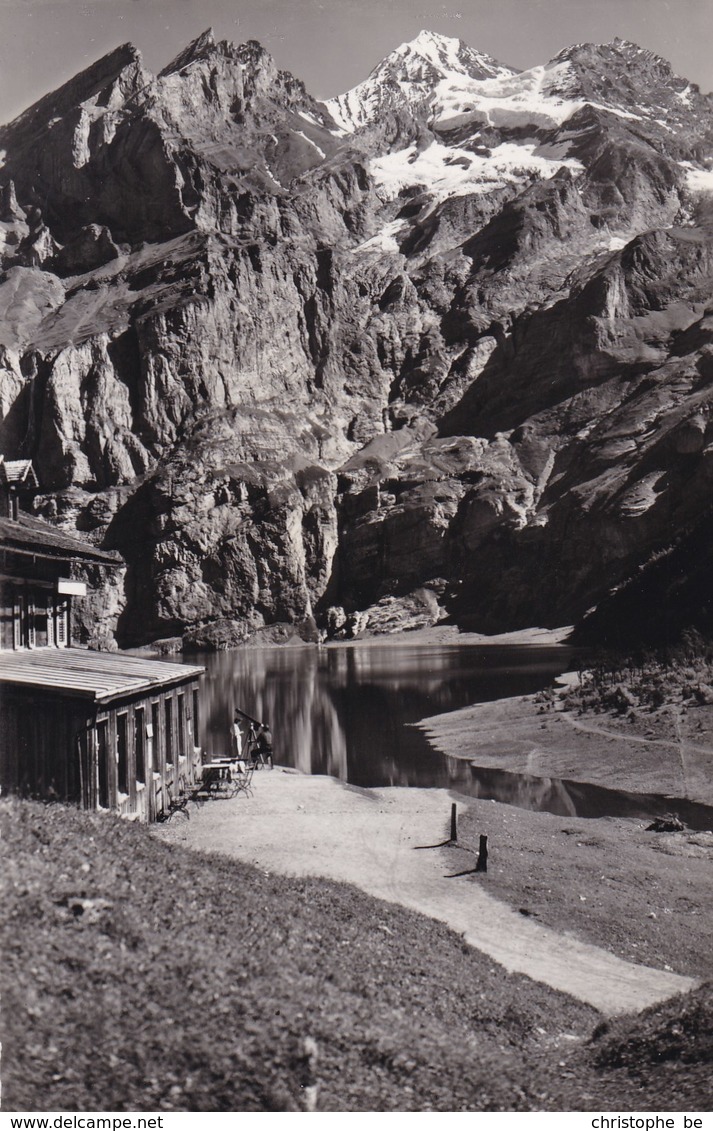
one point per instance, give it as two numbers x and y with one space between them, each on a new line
482 862
454 834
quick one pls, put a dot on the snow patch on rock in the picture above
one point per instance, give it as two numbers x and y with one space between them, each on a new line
309 141
698 180
384 240
448 171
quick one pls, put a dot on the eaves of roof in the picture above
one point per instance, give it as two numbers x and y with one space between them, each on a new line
98 676
28 535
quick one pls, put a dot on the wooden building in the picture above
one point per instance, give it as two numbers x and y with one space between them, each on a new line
103 730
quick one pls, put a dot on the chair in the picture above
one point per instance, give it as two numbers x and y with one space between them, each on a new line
242 778
192 791
177 804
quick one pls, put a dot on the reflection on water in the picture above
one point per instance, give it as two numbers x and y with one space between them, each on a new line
580 799
345 712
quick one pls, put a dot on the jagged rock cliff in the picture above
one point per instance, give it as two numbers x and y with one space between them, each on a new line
443 345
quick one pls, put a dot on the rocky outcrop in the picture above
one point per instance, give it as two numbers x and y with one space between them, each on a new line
440 347
238 525
92 247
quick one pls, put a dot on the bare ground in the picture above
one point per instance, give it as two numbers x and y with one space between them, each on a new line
667 752
449 634
645 896
307 825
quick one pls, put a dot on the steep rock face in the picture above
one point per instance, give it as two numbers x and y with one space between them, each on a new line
627 414
238 525
96 616
661 597
591 446
442 344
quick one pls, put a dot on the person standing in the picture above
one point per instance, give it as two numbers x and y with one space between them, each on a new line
237 738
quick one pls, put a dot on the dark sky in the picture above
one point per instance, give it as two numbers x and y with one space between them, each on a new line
333 44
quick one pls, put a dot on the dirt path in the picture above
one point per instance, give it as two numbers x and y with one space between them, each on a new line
308 825
694 759
669 743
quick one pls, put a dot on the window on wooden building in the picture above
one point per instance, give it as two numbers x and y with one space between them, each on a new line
122 753
49 613
39 619
17 626
140 744
61 622
181 724
31 630
196 721
83 771
168 708
156 748
103 763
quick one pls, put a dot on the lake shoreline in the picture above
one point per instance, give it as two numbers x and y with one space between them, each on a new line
437 634
605 879
450 634
528 735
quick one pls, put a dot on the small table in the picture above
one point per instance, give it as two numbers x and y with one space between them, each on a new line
218 776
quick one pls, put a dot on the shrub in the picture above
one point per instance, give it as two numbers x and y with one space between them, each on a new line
616 682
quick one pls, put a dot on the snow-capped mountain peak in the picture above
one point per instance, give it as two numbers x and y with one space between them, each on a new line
409 76
481 126
443 54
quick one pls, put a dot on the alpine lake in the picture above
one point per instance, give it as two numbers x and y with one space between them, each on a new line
349 711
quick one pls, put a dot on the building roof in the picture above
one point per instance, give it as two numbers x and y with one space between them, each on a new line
33 535
18 471
97 676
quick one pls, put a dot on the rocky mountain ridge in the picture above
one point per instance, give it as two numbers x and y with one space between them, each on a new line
441 346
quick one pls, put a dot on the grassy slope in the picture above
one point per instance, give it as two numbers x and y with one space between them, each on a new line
669 1049
644 896
137 975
